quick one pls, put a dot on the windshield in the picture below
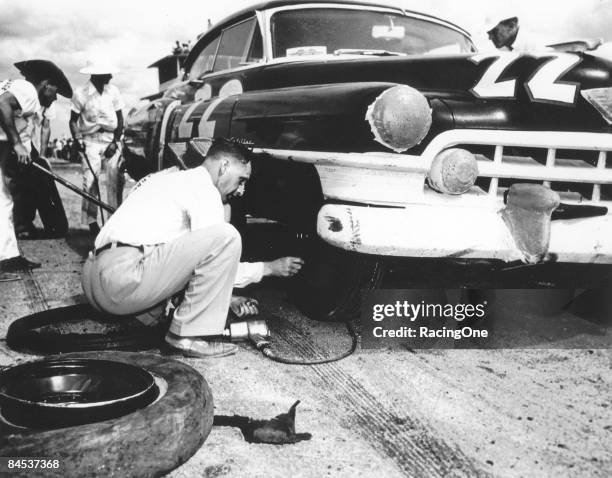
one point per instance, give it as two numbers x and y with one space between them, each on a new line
319 31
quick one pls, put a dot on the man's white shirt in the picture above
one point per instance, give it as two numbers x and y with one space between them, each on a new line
97 111
165 205
29 112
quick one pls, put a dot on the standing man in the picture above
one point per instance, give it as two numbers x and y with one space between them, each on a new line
20 102
37 192
168 235
31 189
96 124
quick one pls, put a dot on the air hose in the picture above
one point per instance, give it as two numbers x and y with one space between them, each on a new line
262 344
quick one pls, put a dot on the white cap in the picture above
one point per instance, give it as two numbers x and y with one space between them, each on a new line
499 15
99 66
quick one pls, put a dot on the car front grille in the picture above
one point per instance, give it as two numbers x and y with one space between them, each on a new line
576 165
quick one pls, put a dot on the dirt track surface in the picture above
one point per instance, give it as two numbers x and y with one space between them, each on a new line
400 412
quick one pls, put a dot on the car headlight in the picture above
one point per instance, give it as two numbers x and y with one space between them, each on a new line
453 171
601 99
399 117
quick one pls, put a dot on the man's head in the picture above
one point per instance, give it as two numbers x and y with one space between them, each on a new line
100 80
47 78
101 71
229 164
504 32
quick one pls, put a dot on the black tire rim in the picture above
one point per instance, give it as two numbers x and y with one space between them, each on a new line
148 442
68 392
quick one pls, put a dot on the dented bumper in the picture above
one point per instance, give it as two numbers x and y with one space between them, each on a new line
457 232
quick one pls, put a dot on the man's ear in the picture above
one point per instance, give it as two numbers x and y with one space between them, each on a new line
223 166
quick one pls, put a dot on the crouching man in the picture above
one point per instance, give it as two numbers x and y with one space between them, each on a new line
170 234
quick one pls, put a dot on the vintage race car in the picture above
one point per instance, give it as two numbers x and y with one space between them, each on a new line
386 139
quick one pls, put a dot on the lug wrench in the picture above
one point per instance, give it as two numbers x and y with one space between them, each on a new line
75 188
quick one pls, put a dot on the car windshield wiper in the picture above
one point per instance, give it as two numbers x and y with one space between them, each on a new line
364 51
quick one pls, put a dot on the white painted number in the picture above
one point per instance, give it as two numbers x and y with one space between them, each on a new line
542 86
185 126
488 86
206 128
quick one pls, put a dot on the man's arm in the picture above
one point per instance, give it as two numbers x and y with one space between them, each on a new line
8 105
72 124
112 148
74 131
251 272
119 129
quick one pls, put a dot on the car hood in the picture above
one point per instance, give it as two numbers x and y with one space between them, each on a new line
545 87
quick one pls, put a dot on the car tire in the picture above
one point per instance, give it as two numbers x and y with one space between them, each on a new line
329 286
23 334
148 442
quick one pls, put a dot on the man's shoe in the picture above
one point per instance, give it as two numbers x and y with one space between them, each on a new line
200 347
18 263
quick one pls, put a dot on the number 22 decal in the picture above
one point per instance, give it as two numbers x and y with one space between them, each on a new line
543 85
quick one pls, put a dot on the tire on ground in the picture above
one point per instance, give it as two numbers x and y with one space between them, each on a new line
149 442
22 333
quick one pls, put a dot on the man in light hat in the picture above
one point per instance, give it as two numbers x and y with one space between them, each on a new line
506 35
21 103
96 124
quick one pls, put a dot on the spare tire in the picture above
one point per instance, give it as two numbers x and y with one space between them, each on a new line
40 332
148 442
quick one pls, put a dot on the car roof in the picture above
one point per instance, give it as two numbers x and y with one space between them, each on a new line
251 9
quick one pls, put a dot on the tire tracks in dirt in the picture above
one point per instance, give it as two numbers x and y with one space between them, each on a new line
405 440
34 293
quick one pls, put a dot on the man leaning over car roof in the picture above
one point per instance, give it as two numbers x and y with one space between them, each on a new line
506 34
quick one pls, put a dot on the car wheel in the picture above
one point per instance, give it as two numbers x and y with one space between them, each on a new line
330 284
65 329
148 442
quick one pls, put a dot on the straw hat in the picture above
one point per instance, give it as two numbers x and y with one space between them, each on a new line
99 66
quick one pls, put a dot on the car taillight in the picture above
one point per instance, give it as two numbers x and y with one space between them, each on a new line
399 117
453 171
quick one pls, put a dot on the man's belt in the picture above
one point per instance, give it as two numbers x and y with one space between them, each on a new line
110 245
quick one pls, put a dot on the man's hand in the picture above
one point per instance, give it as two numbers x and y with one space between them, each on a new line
283 267
23 156
243 306
110 150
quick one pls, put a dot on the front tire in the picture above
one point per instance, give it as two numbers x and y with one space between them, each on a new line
330 284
